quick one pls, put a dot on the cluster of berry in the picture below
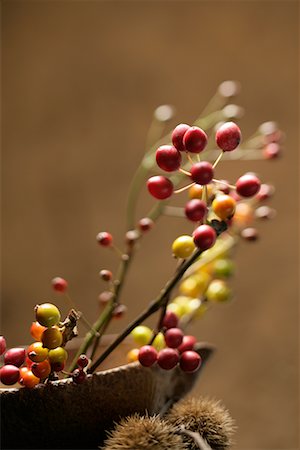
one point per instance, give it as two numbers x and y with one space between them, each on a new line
45 357
168 348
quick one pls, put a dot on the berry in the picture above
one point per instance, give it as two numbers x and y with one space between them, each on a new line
57 366
190 361
59 284
266 191
168 158
194 285
36 352
36 330
196 191
52 338
223 268
119 311
82 361
131 237
160 187
195 210
249 234
188 343
218 291
173 337
142 334
147 356
224 206
145 224
15 356
204 237
9 374
105 297
247 185
133 355
244 214
265 212
228 136
47 314
183 246
106 275
170 320
195 140
272 151
2 345
78 376
104 238
223 186
167 358
164 113
57 355
159 342
202 172
41 370
28 379
177 136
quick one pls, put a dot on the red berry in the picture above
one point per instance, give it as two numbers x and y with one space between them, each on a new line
173 337
57 366
119 311
9 374
105 239
167 358
168 158
195 140
188 343
170 320
42 369
177 136
190 361
271 151
160 187
202 172
228 136
147 356
2 345
249 234
82 361
59 284
247 185
195 210
106 275
28 379
223 186
15 356
78 376
204 237
145 224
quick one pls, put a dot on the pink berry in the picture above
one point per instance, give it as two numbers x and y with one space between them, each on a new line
145 224
168 158
82 361
105 239
15 356
266 191
147 356
228 136
249 234
195 210
188 343
119 311
170 320
105 275
160 187
272 150
195 140
247 185
167 358
202 172
9 374
190 361
173 337
2 345
59 284
105 297
177 136
204 237
78 376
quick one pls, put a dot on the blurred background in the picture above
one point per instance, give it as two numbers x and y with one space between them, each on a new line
80 83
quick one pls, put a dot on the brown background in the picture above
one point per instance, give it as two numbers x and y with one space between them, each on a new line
80 81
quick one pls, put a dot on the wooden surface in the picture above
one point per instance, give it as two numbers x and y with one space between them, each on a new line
80 81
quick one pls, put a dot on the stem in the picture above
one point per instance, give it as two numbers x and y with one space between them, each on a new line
152 308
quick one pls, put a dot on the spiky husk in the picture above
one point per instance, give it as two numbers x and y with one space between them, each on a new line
144 433
206 416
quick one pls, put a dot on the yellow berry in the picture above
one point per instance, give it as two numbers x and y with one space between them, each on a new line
142 334
47 314
197 308
183 301
243 215
159 342
218 291
183 246
224 206
176 309
195 285
132 355
57 355
196 191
